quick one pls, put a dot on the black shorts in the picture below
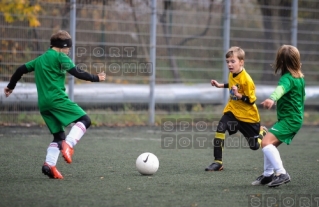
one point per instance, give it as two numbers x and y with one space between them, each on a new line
229 123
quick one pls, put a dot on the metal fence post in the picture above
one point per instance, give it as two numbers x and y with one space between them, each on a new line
153 63
226 37
294 22
72 33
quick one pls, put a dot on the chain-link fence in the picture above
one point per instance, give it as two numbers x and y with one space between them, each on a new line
189 53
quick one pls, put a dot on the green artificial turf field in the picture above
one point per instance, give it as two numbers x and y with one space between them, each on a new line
103 172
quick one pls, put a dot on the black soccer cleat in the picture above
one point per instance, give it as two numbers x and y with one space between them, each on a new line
215 166
279 180
263 180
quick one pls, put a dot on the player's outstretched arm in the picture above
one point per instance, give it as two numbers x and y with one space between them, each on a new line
214 83
83 75
268 103
14 79
218 85
102 76
7 91
275 96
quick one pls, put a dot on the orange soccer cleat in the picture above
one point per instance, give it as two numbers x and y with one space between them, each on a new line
67 151
51 171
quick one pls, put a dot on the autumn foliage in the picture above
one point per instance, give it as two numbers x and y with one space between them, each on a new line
20 10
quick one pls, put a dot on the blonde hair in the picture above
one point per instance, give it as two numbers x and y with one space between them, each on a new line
288 60
240 53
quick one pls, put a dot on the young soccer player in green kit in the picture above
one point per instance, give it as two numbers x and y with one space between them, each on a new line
241 113
289 96
57 110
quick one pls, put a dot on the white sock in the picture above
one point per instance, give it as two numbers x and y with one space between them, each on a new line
53 153
272 153
76 133
268 168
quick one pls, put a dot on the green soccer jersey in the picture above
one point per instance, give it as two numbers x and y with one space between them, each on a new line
291 105
50 71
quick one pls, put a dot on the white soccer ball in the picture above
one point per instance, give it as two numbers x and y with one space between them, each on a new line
147 163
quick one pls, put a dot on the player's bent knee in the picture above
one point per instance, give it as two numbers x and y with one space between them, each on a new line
85 120
254 144
59 136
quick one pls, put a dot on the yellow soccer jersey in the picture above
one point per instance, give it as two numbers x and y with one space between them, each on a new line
242 111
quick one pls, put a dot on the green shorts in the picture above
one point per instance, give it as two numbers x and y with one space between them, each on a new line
61 116
285 130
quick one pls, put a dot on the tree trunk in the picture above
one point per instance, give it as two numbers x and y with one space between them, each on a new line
269 45
285 15
139 39
167 35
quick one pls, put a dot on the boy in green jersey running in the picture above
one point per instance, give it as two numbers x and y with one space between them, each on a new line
57 110
289 96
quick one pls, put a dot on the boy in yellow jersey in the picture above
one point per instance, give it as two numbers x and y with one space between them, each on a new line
241 113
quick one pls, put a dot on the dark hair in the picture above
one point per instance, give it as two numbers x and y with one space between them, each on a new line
61 39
